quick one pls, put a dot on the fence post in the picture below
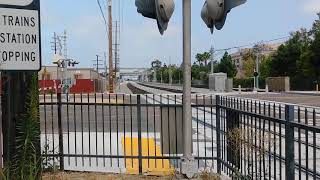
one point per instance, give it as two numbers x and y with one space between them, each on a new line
61 156
218 133
289 143
139 133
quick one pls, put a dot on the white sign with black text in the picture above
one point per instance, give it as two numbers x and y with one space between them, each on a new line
19 39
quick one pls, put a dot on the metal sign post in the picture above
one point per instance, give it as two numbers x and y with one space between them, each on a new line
20 61
188 164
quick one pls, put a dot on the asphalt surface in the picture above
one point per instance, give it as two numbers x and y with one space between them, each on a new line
98 118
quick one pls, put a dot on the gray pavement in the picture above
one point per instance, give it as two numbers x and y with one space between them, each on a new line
122 88
300 99
179 87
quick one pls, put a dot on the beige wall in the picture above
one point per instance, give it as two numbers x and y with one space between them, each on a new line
278 84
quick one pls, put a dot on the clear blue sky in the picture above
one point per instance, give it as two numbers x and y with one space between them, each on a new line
254 21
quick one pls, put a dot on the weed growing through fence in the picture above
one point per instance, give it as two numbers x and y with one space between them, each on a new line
26 163
248 145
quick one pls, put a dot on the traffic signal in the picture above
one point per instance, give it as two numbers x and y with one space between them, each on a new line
161 10
214 12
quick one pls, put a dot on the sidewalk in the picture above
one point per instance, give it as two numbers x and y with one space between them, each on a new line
310 93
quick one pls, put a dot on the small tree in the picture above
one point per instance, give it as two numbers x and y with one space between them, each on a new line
227 66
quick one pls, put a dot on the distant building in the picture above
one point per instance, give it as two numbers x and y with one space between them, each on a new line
237 57
83 80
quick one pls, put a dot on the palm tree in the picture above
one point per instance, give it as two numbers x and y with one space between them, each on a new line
203 58
206 56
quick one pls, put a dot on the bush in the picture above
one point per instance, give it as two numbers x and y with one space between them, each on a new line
248 83
245 83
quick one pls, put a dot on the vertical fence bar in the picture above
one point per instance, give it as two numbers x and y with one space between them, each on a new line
154 129
161 130
169 136
148 138
68 128
110 129
96 125
60 132
117 128
212 129
103 131
124 128
314 146
299 143
306 143
176 128
45 132
289 143
82 126
139 133
198 149
52 126
75 128
131 130
89 127
218 134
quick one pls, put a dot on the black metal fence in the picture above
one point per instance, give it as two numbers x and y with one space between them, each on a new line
142 134
124 133
268 140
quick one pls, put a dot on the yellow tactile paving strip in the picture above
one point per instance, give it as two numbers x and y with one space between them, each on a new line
151 166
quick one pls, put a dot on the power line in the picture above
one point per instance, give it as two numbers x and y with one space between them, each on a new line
103 16
252 44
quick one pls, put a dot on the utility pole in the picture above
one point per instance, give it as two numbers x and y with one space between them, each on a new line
258 49
105 64
98 63
111 83
116 47
65 81
54 43
257 70
188 164
116 50
170 72
65 47
212 58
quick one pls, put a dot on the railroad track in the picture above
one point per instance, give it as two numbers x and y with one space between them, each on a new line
137 90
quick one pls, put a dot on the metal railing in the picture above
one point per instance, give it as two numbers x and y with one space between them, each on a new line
124 133
142 134
265 140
